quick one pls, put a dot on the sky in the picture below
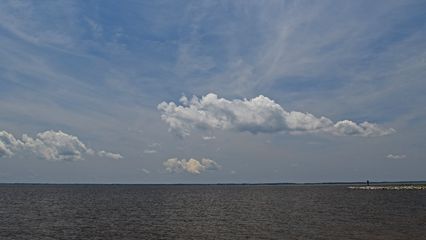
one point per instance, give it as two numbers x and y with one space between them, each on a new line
212 91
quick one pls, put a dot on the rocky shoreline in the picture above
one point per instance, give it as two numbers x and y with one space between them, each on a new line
400 187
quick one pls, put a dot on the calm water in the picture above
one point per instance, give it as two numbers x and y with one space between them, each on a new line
209 212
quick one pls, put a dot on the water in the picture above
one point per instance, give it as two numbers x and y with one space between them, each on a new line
209 212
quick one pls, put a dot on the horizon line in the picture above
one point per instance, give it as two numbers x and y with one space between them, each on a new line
229 183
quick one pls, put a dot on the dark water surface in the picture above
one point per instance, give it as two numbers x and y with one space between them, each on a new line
209 212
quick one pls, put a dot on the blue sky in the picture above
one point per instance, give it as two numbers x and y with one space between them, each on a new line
283 90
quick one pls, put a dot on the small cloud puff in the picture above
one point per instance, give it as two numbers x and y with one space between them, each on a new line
396 156
192 165
114 156
149 151
49 145
145 171
256 115
207 138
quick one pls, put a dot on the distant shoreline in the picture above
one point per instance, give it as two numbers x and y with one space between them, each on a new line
357 184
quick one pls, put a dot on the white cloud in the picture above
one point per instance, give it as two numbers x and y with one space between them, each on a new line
256 115
8 144
396 156
209 138
49 145
364 129
4 150
149 151
115 156
192 165
56 146
146 171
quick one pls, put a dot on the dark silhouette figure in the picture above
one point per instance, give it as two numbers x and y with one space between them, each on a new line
368 183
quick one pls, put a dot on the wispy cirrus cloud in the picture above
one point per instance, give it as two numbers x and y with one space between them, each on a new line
256 115
152 148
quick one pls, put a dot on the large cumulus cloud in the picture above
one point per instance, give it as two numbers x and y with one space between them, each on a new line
50 145
192 165
257 115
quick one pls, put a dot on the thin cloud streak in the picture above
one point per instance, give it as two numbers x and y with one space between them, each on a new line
396 156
